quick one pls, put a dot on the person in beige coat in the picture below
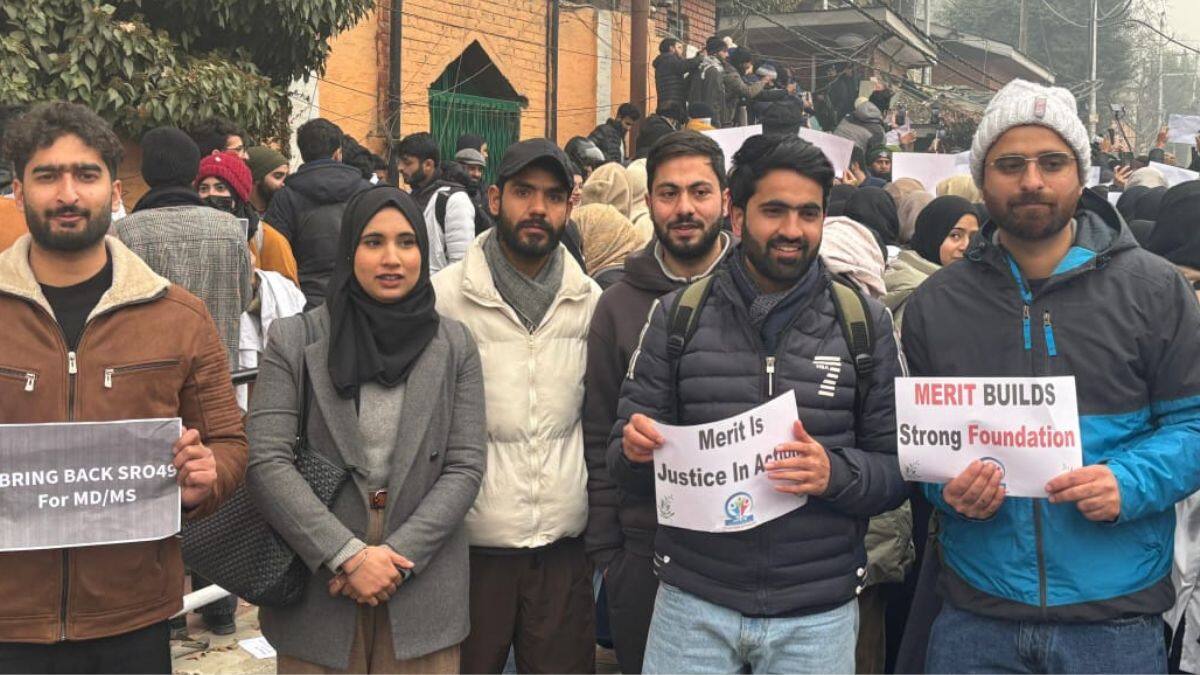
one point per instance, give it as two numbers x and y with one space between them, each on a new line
528 306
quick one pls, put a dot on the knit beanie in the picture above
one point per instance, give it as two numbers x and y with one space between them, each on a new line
169 158
1022 103
263 160
232 171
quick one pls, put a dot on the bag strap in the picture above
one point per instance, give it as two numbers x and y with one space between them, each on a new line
439 208
681 325
306 387
859 333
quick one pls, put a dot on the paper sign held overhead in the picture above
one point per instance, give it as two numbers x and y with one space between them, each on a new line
837 149
929 169
1183 128
1174 174
731 140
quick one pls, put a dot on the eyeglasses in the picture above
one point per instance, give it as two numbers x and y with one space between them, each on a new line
1048 163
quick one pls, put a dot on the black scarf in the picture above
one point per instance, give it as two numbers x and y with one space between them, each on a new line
934 224
162 197
370 340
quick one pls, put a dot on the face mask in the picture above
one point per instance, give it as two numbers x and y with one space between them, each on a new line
220 203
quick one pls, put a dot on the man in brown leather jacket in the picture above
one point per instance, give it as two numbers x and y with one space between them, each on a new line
92 334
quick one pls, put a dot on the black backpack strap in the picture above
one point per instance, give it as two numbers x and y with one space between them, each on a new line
854 317
681 325
439 207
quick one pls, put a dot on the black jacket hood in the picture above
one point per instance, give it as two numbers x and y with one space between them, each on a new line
325 181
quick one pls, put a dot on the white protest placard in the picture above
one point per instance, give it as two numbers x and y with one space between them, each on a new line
1027 426
1183 128
1093 176
731 139
929 169
1114 197
87 483
1174 175
713 478
837 149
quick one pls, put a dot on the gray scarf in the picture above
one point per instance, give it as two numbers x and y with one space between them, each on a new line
529 298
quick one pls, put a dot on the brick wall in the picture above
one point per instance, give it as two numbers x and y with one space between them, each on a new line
435 32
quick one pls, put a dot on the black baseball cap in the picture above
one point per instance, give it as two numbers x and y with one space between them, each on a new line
535 151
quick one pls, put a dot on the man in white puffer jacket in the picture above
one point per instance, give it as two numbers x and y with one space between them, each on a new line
528 305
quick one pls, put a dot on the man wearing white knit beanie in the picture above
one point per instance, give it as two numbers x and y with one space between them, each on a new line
1075 578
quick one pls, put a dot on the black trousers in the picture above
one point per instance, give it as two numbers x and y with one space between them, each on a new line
147 650
631 586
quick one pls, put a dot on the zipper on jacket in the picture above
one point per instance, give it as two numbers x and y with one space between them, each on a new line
770 368
110 372
29 377
1048 329
1026 327
1041 553
72 371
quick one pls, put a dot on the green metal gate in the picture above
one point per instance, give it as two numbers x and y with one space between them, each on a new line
497 121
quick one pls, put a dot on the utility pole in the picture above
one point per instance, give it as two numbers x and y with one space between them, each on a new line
1023 30
928 19
1093 116
638 55
1162 47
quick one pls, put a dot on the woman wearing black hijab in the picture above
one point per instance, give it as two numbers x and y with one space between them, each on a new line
393 393
943 232
1176 235
875 208
1127 204
838 196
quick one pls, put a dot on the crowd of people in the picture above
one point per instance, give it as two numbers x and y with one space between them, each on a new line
488 362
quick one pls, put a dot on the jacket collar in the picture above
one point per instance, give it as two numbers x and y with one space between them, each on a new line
478 285
133 280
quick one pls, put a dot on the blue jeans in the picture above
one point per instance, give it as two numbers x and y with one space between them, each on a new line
962 642
690 635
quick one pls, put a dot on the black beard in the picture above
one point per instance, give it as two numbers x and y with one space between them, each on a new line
96 226
759 257
510 237
694 251
1032 230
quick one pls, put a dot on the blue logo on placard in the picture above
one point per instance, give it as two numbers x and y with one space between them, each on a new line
738 509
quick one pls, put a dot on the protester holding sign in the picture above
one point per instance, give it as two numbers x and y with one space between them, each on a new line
395 391
1056 286
91 333
766 323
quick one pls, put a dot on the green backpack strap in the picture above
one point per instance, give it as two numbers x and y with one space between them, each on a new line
859 332
681 324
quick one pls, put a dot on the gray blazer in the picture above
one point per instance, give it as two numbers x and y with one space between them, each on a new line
437 465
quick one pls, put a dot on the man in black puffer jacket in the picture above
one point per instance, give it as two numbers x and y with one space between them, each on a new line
780 597
308 208
671 69
610 136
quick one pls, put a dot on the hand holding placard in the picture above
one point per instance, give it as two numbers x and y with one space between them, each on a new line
802 467
976 492
1094 490
197 469
640 439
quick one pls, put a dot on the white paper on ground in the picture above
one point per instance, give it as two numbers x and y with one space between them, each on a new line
258 647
